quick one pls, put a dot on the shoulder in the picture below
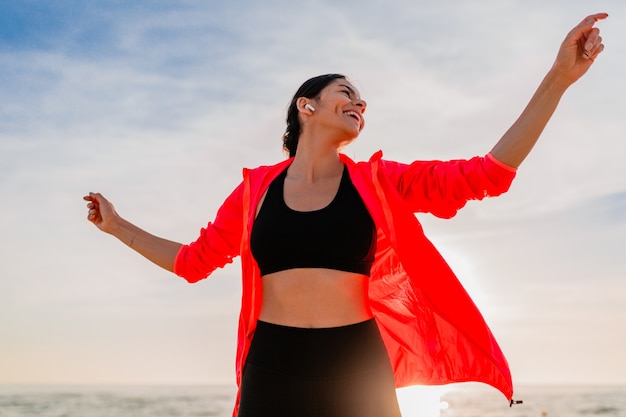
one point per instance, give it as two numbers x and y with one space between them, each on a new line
264 170
256 180
377 160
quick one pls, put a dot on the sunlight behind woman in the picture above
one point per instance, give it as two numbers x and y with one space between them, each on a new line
420 401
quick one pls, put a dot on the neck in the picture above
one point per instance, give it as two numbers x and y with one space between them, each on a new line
312 164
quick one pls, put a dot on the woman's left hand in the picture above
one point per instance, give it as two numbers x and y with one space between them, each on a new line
579 49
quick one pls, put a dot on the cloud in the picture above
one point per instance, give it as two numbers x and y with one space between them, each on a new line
159 106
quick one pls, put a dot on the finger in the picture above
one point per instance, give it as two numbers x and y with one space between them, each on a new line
595 52
94 216
580 31
597 44
591 19
592 39
92 196
97 198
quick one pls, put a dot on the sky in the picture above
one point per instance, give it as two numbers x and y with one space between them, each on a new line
159 105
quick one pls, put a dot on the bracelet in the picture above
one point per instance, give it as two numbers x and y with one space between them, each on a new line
132 239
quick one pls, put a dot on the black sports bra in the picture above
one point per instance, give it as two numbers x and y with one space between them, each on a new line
340 236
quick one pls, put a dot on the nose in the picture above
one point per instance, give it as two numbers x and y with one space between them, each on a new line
361 104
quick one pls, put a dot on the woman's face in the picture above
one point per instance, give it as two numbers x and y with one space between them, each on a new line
340 105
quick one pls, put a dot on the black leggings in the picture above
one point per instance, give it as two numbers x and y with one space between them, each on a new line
328 372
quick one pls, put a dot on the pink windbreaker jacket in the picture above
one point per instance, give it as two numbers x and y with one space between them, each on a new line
433 332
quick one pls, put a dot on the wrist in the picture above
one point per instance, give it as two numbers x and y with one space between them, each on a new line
122 229
116 226
126 231
557 81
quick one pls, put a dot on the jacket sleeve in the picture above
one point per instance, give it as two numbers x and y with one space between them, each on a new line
444 187
217 244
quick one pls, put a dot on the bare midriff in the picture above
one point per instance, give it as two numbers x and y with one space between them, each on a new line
314 298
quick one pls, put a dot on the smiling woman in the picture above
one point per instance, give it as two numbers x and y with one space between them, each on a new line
307 96
344 298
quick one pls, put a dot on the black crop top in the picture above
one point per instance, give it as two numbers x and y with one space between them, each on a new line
340 236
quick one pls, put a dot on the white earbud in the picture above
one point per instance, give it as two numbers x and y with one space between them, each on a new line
308 106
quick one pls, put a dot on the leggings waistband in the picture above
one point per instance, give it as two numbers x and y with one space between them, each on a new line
318 352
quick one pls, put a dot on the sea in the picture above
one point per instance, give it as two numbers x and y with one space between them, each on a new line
463 400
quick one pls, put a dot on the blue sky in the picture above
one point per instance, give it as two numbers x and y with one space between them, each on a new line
158 105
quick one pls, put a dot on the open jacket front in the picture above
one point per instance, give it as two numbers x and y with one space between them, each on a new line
433 332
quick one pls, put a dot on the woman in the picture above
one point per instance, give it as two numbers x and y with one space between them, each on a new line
343 297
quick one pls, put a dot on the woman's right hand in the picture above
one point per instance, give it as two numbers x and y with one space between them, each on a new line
101 212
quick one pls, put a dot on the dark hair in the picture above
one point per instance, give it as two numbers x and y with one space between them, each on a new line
311 88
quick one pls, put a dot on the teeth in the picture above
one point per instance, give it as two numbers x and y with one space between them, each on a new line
353 114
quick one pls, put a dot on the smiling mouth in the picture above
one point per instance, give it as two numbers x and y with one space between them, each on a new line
354 115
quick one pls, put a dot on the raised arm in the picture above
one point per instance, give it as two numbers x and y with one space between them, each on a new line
577 53
102 214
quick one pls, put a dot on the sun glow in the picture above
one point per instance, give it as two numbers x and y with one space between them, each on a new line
421 401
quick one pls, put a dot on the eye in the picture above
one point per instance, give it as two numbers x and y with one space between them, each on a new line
346 92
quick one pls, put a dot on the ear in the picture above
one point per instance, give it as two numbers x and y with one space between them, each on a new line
304 105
